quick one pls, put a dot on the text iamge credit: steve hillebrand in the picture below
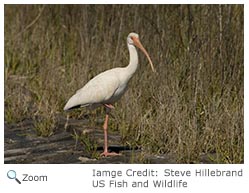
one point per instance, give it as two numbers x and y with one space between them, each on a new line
166 178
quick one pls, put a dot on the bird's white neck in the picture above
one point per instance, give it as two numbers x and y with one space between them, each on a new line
133 65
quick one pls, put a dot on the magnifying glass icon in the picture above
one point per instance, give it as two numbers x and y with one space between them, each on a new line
11 174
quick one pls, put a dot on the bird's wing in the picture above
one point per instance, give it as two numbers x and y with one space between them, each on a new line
98 90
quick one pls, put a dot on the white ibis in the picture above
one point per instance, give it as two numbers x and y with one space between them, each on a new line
108 87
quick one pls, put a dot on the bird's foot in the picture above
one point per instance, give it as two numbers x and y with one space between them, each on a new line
110 106
106 153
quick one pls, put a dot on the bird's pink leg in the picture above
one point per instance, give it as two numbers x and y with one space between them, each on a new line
105 127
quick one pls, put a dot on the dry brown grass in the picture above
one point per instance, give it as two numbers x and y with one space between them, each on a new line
193 105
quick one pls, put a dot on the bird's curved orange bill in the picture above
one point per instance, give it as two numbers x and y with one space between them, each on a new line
139 45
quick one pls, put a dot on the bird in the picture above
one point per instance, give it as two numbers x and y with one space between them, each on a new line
108 87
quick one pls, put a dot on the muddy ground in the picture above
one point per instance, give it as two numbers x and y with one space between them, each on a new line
23 146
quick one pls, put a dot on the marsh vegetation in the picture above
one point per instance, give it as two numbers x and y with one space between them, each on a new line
192 106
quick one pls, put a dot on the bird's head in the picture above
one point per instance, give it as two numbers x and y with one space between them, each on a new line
133 39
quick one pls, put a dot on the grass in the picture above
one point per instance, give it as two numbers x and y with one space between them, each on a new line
193 105
87 143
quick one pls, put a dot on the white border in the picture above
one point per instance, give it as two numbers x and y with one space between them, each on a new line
68 178
125 2
2 84
246 85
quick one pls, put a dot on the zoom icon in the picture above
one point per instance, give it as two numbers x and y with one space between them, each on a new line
11 174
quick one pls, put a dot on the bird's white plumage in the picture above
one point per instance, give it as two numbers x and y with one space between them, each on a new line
110 85
105 88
